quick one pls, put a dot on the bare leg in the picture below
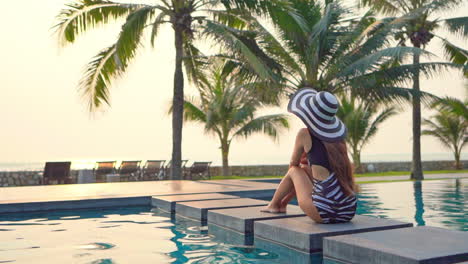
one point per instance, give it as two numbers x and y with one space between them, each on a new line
303 187
284 188
284 203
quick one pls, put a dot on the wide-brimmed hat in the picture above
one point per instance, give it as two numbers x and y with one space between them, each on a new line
317 110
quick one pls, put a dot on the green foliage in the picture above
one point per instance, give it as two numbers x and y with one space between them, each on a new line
454 106
449 125
227 107
223 23
420 28
82 15
336 51
362 119
113 61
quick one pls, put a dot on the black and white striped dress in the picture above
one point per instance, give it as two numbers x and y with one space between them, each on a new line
331 202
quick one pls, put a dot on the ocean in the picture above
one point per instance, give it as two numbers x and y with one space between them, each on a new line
89 164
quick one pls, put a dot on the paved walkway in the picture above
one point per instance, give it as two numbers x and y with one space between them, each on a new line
71 192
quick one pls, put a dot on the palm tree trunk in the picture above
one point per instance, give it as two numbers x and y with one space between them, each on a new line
178 104
225 155
357 161
457 160
416 166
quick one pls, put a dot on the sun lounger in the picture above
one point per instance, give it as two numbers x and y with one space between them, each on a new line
167 169
153 170
200 170
58 172
102 169
129 170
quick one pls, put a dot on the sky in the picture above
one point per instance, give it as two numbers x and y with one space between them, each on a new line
44 118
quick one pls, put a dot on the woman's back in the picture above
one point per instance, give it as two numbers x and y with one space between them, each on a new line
330 199
318 159
329 195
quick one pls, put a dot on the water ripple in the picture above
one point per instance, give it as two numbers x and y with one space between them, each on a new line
103 261
97 246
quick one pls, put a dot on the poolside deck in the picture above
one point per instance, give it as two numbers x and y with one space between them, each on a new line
71 192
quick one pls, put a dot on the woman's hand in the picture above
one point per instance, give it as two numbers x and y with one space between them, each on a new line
304 160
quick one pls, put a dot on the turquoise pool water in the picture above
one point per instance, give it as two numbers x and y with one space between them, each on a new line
146 235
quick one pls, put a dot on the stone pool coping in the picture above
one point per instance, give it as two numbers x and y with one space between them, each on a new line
81 196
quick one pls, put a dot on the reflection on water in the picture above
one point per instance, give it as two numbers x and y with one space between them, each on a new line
419 202
439 203
145 235
116 235
195 245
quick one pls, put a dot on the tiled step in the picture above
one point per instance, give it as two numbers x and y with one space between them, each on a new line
415 245
242 219
303 234
198 209
168 202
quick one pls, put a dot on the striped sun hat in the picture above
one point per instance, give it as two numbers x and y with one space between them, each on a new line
317 110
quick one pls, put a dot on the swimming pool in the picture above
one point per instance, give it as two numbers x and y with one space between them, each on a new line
146 235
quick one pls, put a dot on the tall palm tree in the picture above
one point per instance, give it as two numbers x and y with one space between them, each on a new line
450 129
227 107
420 30
362 119
190 20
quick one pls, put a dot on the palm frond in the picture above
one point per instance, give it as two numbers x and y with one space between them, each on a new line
112 62
156 25
83 15
242 114
440 6
243 45
232 18
453 105
373 61
436 134
448 128
193 113
398 75
99 72
195 63
384 6
269 125
457 25
389 94
455 54
379 119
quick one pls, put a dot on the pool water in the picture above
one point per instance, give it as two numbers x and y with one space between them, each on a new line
148 235
441 203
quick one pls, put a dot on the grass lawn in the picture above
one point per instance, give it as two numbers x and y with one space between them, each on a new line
375 174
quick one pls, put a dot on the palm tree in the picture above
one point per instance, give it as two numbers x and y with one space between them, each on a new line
326 48
419 30
190 20
227 107
450 129
362 120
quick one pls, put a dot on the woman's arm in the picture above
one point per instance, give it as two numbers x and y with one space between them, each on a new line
298 149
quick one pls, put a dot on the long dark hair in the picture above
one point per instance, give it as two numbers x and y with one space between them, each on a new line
341 165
